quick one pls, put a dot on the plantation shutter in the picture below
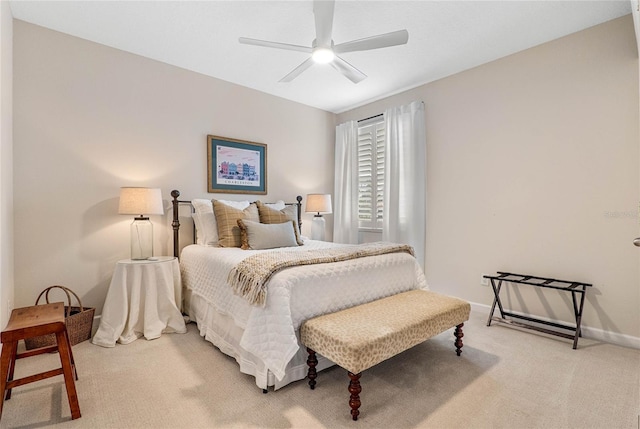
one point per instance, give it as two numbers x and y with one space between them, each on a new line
370 174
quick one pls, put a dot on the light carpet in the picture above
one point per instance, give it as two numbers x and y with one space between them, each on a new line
505 378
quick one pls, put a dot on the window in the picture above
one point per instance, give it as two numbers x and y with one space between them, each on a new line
371 137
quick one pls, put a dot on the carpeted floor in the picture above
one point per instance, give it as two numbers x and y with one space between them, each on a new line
505 378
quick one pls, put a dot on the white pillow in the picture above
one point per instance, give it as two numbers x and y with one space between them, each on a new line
208 225
198 226
278 205
256 235
240 205
207 230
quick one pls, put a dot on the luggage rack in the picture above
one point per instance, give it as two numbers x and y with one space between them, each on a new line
570 286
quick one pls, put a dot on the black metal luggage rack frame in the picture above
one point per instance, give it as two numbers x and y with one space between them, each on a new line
570 286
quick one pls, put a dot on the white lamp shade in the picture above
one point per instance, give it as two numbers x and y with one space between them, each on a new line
140 201
318 203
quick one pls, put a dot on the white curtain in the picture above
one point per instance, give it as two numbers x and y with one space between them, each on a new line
345 215
405 193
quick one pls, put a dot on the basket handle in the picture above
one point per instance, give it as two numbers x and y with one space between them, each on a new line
67 292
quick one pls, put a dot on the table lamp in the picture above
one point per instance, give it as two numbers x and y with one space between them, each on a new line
319 204
141 202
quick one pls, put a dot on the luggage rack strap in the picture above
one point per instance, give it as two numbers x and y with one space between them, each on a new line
539 281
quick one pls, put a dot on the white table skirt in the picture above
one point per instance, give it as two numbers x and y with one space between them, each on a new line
143 300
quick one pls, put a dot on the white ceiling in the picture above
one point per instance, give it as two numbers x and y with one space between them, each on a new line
445 37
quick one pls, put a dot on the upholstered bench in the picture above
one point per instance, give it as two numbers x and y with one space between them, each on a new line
363 336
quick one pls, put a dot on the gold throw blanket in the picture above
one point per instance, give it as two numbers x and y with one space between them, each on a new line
249 278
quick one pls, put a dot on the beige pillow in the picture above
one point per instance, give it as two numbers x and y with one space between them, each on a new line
270 216
227 220
256 235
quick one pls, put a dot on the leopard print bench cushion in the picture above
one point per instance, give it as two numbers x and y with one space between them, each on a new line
360 337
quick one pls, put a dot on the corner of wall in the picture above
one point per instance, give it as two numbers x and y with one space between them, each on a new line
635 11
6 163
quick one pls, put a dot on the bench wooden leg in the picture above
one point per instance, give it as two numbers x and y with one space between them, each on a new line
458 342
312 361
354 389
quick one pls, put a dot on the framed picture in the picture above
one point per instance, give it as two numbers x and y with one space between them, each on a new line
236 166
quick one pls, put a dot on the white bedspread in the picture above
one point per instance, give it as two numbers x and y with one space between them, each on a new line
294 294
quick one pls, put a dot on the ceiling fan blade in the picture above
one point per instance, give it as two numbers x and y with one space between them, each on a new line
323 12
297 71
350 72
374 42
277 45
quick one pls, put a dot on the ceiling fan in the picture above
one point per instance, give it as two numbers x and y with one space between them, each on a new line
323 50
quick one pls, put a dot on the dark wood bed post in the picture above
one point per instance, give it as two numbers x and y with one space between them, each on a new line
299 200
176 222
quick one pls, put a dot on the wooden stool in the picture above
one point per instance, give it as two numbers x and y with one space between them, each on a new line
29 322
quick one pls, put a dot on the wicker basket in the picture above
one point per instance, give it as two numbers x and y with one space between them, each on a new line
79 321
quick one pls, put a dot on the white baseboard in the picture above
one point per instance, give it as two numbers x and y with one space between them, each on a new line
587 332
95 324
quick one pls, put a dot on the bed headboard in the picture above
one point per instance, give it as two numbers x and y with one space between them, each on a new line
175 194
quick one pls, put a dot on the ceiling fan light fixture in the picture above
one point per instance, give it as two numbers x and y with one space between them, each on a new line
323 55
322 49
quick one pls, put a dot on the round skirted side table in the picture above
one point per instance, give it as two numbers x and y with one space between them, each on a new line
144 299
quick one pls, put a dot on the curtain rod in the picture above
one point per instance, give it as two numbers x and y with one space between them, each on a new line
379 114
370 117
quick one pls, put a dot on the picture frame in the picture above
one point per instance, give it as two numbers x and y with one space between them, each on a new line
236 166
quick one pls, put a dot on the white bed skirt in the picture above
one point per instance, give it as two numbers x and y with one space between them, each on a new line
222 332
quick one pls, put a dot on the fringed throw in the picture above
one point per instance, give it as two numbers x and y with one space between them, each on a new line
249 278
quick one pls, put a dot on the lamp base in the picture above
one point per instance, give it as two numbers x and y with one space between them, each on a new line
318 228
141 238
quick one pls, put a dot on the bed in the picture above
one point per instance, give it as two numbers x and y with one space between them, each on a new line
263 338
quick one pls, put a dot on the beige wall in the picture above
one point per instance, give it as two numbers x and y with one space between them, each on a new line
6 162
90 119
532 167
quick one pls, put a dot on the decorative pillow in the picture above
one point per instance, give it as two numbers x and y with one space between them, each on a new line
207 231
227 220
270 216
256 235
